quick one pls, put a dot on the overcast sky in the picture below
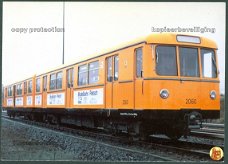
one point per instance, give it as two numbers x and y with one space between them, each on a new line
91 27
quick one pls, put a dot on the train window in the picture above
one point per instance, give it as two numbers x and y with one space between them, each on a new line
208 63
10 91
19 89
93 72
70 77
44 83
38 85
53 81
4 93
138 62
30 86
109 69
82 75
59 80
166 63
116 68
25 87
189 62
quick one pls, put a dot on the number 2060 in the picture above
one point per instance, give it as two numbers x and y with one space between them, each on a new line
190 101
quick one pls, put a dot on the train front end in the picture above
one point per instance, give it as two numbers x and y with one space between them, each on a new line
184 87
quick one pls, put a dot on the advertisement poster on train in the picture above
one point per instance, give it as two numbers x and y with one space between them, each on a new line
56 99
88 97
38 99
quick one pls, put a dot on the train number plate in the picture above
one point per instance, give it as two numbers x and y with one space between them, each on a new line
190 101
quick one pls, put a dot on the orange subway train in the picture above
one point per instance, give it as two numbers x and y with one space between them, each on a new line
158 84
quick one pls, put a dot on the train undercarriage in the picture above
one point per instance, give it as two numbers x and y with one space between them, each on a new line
138 124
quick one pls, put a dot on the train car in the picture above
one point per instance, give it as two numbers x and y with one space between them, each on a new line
8 99
19 96
158 84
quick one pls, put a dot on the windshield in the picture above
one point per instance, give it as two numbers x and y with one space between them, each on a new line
208 63
166 61
189 64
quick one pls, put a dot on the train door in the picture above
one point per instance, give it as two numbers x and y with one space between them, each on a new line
139 83
190 73
25 93
14 95
109 82
112 73
69 89
5 97
44 95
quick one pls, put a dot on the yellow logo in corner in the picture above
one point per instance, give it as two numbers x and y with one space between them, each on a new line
216 153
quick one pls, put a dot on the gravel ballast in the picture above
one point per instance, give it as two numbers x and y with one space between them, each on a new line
26 142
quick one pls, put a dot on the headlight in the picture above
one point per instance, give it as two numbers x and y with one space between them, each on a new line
213 95
164 93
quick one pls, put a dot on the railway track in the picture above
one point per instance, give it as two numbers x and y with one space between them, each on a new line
209 130
170 150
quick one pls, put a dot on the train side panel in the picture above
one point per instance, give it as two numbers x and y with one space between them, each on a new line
56 90
89 90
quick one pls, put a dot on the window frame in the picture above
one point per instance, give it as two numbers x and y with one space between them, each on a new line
176 57
25 87
215 58
114 67
70 77
19 89
50 85
28 87
109 78
90 70
57 80
10 91
38 91
198 60
44 83
79 66
136 63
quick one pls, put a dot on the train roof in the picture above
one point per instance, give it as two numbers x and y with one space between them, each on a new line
156 38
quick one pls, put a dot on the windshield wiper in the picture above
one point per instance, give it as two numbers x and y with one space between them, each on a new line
156 56
214 63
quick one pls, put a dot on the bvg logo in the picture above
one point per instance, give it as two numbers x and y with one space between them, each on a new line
216 153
